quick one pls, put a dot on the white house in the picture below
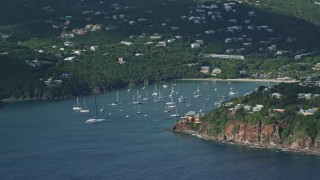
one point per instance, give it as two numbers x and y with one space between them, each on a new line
258 107
195 45
205 69
216 71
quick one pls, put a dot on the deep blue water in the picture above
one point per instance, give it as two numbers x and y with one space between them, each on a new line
47 140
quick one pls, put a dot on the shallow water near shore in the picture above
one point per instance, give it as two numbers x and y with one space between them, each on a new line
47 140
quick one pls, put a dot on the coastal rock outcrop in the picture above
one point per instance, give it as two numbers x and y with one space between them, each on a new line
262 135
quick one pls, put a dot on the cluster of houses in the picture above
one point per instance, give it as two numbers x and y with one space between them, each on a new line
214 72
50 82
259 107
311 81
193 117
248 108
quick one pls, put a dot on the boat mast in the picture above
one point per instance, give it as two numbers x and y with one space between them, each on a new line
95 102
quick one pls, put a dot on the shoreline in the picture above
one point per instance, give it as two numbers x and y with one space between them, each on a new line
242 80
278 148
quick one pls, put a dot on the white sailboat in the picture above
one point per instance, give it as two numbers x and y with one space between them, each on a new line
134 102
84 109
102 107
189 103
116 103
159 98
176 114
77 107
95 119
155 93
146 98
197 93
139 111
166 109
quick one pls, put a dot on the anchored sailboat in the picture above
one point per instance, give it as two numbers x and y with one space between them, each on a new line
116 103
84 110
155 93
77 107
95 119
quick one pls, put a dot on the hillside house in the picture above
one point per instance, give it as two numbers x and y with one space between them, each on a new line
216 71
258 107
80 31
189 116
197 118
278 110
126 43
51 82
195 45
276 95
205 69
304 96
247 108
121 60
162 44
307 112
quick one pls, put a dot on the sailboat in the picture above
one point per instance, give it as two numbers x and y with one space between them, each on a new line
176 114
197 93
155 93
116 103
95 119
139 112
136 102
171 104
189 103
159 98
77 108
84 110
146 98
166 109
102 107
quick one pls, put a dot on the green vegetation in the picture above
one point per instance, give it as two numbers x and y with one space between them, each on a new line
292 122
42 35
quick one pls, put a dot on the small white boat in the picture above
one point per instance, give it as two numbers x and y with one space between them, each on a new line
232 93
95 120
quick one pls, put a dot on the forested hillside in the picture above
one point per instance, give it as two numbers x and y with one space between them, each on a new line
66 48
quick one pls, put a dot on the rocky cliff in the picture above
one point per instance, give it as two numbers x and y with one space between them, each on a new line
260 135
